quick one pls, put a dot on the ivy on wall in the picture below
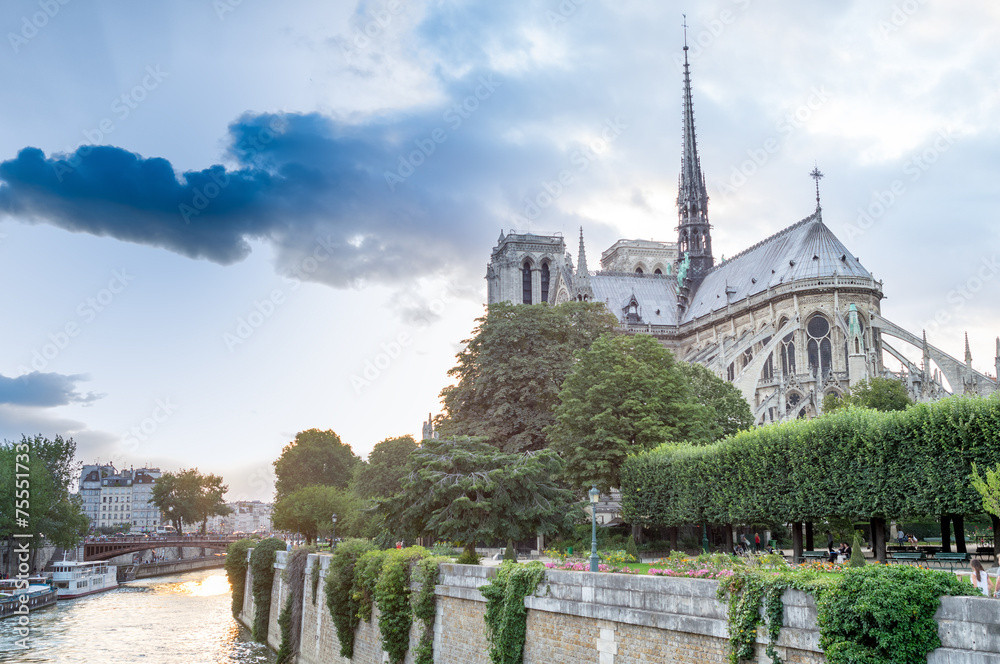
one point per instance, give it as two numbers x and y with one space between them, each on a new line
236 571
506 616
262 569
343 604
877 614
425 605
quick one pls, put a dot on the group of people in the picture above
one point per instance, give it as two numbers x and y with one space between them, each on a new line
838 555
743 546
903 538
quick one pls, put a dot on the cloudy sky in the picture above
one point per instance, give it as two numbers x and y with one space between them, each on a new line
223 221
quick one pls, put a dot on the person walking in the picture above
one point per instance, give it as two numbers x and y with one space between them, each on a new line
756 542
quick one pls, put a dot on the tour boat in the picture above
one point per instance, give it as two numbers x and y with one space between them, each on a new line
74 579
38 593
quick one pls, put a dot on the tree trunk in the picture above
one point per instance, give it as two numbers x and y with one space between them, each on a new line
809 536
673 538
946 533
959 521
728 543
637 532
878 539
796 542
996 537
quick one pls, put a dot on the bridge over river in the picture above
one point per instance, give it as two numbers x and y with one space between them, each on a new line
109 547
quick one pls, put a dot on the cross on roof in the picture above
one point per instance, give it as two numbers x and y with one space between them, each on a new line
816 175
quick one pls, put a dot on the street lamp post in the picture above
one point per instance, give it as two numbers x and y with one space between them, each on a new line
594 496
333 534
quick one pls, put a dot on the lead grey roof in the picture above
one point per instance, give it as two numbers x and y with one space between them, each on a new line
656 295
803 250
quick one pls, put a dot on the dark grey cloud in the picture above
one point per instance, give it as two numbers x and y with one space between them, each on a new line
44 390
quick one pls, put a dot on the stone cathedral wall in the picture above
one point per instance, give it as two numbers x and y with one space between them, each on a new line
576 617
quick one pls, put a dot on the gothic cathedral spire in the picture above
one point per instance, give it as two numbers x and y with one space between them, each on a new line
694 236
582 290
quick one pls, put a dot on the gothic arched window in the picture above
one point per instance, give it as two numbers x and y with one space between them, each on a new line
638 270
526 283
657 271
818 346
788 354
545 282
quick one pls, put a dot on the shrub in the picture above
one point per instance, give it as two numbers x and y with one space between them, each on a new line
632 549
424 606
857 555
883 614
468 557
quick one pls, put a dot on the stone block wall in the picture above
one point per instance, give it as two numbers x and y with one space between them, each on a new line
610 619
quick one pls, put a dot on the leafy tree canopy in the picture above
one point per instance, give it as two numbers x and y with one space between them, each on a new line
625 395
381 476
883 394
511 370
314 458
54 512
309 510
467 490
731 411
189 497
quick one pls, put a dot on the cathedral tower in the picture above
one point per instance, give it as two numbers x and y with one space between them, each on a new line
694 236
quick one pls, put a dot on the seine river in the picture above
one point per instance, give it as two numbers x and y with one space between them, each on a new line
180 619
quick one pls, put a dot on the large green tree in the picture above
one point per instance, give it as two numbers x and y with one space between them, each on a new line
626 395
883 394
510 371
36 477
382 475
467 490
309 510
188 497
314 458
731 411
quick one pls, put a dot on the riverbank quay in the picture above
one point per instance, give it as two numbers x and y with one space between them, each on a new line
604 618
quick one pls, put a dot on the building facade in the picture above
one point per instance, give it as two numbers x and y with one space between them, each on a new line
248 516
788 321
119 498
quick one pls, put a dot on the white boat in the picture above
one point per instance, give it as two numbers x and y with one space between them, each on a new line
36 591
74 579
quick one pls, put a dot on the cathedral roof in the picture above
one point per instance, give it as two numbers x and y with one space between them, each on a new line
807 249
656 295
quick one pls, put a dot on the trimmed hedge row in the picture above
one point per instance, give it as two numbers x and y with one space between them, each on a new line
853 463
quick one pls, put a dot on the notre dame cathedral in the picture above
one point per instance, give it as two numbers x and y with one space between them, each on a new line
789 320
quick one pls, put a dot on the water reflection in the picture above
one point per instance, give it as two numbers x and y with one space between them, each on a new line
181 619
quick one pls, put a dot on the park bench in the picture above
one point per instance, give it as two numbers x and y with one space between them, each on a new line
908 557
985 552
815 555
951 560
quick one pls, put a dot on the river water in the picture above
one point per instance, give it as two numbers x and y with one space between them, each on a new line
180 619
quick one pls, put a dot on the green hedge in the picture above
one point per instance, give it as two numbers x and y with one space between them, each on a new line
262 567
853 463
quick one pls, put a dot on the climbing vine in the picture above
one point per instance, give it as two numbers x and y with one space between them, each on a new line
262 568
286 653
294 578
424 606
340 598
314 580
392 596
236 571
506 616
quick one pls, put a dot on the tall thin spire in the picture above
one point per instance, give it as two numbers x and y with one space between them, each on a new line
694 232
968 352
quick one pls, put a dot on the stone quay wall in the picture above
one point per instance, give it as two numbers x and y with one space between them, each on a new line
606 619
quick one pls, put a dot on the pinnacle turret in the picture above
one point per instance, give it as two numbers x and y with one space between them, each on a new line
582 280
968 352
